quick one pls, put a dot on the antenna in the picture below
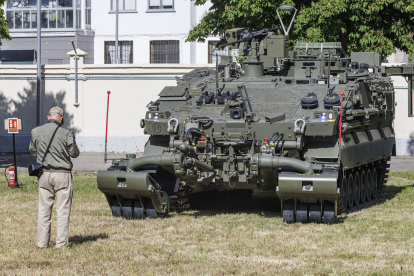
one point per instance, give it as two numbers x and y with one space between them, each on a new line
286 8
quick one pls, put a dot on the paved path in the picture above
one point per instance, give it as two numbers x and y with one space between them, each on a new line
92 162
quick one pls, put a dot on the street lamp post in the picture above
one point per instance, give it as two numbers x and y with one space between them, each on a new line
76 74
117 59
39 66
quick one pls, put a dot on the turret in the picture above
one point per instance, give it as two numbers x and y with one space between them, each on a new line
260 48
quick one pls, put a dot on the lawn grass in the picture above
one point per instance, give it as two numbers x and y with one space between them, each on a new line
250 240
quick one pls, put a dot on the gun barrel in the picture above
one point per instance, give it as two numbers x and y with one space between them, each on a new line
230 43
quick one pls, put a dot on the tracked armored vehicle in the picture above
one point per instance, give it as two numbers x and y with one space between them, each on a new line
307 123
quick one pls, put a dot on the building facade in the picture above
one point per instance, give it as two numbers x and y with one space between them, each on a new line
61 21
150 31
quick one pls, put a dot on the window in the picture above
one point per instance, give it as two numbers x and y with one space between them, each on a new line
21 4
165 51
52 19
22 14
88 14
61 19
26 19
78 14
65 3
18 19
125 52
161 4
69 19
17 56
44 4
10 20
34 19
44 18
124 5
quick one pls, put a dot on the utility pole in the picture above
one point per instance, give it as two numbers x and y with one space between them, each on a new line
39 66
117 59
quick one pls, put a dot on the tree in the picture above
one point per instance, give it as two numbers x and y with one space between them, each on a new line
360 25
4 32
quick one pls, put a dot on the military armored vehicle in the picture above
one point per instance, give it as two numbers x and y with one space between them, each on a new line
307 123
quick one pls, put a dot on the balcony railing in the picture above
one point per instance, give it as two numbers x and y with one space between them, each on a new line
55 14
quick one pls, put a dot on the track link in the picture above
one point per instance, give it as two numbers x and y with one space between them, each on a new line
382 180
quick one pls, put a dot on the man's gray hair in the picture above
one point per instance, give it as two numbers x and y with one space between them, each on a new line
54 114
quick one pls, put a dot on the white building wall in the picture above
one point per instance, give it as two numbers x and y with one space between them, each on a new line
145 25
128 100
132 88
398 57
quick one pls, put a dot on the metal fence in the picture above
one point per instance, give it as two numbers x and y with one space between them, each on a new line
125 52
165 51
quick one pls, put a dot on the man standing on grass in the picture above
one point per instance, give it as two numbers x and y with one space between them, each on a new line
56 180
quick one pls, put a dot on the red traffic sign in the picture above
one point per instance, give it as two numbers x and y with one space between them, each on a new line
12 124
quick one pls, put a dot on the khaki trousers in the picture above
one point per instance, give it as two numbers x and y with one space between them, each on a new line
51 185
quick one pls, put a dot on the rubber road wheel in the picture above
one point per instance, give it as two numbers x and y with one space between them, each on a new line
374 182
115 207
328 212
351 189
288 211
344 192
127 209
150 210
315 214
138 210
363 186
302 212
357 185
369 184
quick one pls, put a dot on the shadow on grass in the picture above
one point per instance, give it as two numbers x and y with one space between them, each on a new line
393 191
267 204
79 239
264 204
390 193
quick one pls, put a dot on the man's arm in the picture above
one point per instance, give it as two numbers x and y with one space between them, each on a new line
32 146
72 147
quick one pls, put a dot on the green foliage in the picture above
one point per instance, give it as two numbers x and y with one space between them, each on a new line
360 25
4 32
240 59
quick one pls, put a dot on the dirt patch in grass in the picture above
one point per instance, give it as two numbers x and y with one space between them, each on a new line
249 239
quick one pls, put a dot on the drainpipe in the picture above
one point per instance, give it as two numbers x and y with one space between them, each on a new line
76 75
